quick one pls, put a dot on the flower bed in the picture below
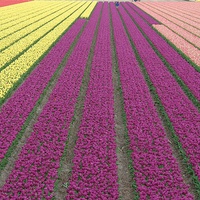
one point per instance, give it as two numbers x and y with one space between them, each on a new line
155 167
178 107
16 110
94 174
11 2
188 74
18 58
35 171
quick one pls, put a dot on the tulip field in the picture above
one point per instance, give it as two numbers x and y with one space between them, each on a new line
99 102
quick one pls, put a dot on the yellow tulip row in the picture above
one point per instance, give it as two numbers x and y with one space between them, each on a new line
16 20
13 50
18 10
11 74
88 11
43 18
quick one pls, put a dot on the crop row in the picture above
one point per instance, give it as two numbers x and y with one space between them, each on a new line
88 11
94 175
188 49
11 2
157 173
35 171
186 40
187 9
22 27
182 68
20 14
16 110
188 21
167 21
187 24
26 37
178 107
26 59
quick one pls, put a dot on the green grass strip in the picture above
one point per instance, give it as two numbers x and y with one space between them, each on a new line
5 161
119 89
79 98
166 121
25 75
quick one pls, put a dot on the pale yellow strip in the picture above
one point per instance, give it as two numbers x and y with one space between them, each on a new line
8 13
88 11
15 70
19 16
43 19
10 52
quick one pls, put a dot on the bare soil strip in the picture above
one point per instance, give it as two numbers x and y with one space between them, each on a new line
68 155
37 110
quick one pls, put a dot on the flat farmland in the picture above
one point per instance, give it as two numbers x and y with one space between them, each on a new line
99 102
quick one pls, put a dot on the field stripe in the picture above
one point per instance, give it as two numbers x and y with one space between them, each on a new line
176 104
152 156
21 24
190 52
189 75
193 39
11 48
11 9
40 157
193 20
16 71
28 31
182 7
21 15
24 99
187 13
188 25
95 151
11 2
87 12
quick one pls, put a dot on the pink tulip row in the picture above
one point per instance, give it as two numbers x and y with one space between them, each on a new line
176 28
35 171
178 11
182 21
183 7
16 110
184 70
188 49
157 173
183 115
94 175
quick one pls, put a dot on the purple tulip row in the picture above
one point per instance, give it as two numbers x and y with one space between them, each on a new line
183 115
35 172
184 70
18 107
157 173
94 175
